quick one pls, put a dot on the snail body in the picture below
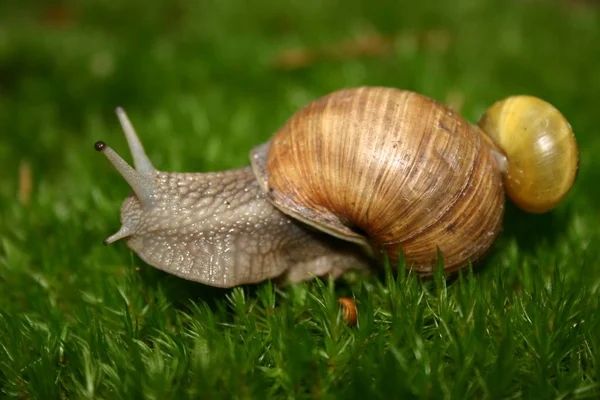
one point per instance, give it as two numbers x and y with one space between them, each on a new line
352 177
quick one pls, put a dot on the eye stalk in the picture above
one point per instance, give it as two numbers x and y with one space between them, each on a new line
99 145
140 178
140 159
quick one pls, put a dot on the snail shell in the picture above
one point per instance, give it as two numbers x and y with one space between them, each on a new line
387 169
541 149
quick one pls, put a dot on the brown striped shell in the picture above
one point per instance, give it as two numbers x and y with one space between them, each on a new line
387 169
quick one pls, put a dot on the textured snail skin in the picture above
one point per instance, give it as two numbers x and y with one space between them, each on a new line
390 168
218 229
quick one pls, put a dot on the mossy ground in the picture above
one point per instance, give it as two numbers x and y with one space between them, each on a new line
203 83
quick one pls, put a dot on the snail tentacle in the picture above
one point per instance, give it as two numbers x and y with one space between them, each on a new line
122 233
142 186
140 159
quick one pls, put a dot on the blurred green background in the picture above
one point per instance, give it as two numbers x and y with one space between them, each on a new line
203 82
210 72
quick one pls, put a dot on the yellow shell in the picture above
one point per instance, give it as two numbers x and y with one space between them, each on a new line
388 169
540 147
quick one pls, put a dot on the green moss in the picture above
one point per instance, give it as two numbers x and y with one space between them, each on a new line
77 320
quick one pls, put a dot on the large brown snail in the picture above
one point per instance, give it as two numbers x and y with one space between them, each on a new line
354 175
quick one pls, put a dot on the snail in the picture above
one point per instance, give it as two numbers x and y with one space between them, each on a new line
354 176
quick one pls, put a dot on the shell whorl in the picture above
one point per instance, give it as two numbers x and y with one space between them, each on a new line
388 169
540 147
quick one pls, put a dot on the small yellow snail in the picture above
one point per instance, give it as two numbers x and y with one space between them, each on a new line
351 176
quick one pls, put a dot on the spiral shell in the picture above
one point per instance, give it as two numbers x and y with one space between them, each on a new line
391 170
540 146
